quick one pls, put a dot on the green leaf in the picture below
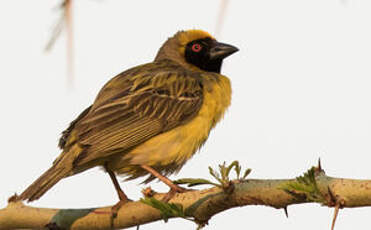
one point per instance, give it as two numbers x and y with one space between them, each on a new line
235 165
247 172
237 169
194 182
167 209
215 174
223 172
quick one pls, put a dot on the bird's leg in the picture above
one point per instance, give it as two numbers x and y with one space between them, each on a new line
122 196
173 187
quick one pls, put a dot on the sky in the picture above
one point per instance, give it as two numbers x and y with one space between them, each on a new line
301 91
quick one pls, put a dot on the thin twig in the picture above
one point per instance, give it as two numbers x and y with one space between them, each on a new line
58 28
221 16
70 47
336 212
65 20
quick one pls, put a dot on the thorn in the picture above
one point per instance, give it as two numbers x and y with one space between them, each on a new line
286 213
336 212
319 168
319 164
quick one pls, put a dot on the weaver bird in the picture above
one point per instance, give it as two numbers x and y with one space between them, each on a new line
150 119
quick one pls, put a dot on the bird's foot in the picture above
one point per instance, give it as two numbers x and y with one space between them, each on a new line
173 191
115 209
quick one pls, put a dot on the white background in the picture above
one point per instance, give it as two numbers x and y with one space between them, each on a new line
301 90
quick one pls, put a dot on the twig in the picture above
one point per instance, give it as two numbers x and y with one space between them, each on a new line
221 16
70 44
65 20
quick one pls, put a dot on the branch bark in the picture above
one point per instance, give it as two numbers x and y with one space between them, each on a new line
199 204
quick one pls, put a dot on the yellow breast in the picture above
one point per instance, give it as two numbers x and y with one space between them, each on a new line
176 146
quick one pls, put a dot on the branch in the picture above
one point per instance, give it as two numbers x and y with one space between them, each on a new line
199 205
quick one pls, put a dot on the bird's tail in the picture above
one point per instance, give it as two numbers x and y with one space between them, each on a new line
60 169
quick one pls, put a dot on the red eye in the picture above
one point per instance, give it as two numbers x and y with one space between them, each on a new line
196 47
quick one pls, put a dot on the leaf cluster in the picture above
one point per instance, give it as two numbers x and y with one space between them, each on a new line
305 187
167 210
222 176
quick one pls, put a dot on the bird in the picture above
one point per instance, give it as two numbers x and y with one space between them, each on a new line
148 120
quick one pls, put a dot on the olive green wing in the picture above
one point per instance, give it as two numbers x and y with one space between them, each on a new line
135 106
66 137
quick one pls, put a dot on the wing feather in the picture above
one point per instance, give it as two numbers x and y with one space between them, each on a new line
137 105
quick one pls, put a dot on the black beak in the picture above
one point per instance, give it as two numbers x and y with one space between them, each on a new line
221 51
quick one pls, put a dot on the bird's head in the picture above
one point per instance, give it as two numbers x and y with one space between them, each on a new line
196 49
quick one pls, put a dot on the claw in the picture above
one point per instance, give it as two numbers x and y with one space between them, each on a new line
173 191
115 209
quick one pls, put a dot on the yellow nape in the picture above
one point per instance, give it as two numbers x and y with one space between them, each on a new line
187 36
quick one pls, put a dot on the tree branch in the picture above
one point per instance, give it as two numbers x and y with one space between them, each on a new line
200 205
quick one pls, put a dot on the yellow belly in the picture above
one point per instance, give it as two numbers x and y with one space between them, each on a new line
168 152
